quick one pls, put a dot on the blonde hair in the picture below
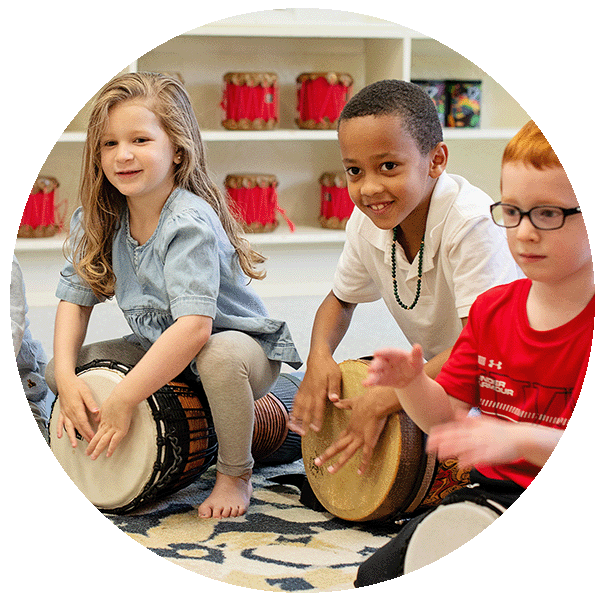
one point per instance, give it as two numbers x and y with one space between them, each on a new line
103 204
531 147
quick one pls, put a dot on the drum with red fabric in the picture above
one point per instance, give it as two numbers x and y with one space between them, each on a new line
250 101
254 201
39 216
321 98
402 477
336 205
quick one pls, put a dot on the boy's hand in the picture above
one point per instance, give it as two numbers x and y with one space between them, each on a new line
322 382
477 441
362 432
115 420
77 407
393 367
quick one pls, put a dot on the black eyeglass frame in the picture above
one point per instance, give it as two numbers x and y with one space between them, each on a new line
566 212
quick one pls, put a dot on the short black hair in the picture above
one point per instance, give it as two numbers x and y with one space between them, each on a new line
403 99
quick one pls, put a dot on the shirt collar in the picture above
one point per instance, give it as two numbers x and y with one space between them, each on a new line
442 198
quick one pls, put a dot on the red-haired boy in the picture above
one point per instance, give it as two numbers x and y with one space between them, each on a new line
522 357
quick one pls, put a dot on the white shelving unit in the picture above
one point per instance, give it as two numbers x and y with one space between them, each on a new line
289 42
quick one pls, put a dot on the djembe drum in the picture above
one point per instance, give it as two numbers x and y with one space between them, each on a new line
446 528
39 216
273 442
336 205
254 201
250 101
321 98
402 477
170 443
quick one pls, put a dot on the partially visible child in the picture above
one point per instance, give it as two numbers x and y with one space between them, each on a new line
523 354
156 232
31 359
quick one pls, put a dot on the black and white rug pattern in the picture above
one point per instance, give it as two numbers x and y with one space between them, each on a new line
278 545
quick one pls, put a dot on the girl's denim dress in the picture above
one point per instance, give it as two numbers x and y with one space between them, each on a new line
187 267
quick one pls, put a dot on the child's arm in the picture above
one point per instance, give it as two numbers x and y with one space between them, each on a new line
167 358
75 396
423 399
323 378
487 441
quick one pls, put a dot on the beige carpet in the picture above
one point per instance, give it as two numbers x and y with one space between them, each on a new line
279 545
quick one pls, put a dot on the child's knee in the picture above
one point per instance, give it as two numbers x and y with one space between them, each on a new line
222 355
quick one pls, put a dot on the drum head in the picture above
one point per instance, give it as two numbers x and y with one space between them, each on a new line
376 493
447 528
109 483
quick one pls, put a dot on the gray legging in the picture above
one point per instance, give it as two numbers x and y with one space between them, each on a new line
234 372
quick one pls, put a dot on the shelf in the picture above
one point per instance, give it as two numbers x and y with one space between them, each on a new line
282 236
305 23
46 244
274 135
303 235
215 135
72 136
308 135
309 31
291 41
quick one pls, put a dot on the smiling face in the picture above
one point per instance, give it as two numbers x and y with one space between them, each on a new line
137 156
389 179
553 257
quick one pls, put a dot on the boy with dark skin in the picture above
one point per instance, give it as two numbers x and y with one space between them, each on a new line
419 238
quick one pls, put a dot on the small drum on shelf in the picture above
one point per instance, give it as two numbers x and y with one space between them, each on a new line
401 479
254 201
39 216
250 101
445 529
321 98
171 441
336 205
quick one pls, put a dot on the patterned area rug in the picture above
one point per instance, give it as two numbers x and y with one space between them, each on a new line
278 545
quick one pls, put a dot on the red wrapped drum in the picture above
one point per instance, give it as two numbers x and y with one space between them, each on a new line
39 216
321 98
254 201
250 101
336 206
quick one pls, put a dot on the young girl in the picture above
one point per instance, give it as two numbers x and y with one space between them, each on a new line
155 232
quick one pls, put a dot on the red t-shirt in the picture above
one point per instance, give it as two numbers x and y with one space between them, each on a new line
509 370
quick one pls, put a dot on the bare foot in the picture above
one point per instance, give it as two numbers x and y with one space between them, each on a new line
230 497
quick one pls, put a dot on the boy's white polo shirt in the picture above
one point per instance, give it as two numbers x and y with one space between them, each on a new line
465 254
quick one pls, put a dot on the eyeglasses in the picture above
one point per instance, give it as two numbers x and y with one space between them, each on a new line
541 217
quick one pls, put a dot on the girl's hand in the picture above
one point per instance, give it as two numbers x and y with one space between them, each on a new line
362 432
115 420
393 367
77 407
477 441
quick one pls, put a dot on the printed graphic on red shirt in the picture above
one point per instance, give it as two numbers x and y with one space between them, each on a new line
537 403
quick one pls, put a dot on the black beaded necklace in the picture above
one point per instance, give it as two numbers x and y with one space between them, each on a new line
419 273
